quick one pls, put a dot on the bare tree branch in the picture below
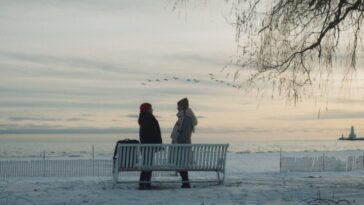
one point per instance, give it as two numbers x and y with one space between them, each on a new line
296 34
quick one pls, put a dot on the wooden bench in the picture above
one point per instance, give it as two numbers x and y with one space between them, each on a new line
171 157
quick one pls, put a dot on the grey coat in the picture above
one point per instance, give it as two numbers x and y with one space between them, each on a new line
185 125
184 135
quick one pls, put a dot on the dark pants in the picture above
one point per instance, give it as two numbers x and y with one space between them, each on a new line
182 160
145 176
185 181
144 180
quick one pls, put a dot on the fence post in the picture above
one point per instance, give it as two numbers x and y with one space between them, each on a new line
93 160
280 160
323 161
44 165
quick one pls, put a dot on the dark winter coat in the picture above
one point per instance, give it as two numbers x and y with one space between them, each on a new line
149 131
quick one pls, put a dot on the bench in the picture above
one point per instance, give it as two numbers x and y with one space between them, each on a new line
171 157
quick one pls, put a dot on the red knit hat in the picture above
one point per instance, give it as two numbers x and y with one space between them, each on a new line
145 107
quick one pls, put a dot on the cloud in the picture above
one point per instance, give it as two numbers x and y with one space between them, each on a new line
16 119
87 115
63 104
44 119
197 58
70 131
76 119
350 101
29 126
325 115
231 130
132 116
70 62
338 114
55 129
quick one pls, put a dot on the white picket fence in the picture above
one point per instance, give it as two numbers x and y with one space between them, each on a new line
321 162
55 168
289 162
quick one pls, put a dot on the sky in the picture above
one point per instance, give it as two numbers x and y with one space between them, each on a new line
77 66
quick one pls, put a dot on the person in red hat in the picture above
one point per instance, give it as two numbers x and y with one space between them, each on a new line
149 133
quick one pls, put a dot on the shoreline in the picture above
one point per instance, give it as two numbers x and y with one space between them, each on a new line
52 155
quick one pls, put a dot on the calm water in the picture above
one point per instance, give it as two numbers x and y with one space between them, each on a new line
81 145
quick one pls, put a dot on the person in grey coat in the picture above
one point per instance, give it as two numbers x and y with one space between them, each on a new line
182 132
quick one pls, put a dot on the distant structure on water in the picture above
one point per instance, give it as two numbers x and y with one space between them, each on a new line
352 135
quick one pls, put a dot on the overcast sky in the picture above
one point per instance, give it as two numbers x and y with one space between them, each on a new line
73 66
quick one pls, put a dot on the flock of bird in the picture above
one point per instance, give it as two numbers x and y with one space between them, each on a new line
168 79
192 80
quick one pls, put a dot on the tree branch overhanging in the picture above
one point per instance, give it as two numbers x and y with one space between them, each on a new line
296 34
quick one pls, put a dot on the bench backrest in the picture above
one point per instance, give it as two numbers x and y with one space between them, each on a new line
164 157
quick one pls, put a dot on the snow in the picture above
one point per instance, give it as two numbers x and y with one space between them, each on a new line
252 178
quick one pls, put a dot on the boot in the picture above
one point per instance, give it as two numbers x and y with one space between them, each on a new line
186 185
144 186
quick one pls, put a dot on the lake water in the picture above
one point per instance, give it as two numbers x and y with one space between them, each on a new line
81 145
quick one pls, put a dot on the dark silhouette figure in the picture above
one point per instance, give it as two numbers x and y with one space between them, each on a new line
149 133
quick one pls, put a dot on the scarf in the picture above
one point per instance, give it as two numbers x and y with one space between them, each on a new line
178 126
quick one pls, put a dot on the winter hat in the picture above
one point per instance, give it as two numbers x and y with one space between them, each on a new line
183 103
145 107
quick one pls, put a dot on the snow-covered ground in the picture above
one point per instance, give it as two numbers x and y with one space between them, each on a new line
251 179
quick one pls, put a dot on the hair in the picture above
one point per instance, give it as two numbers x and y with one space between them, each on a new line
183 103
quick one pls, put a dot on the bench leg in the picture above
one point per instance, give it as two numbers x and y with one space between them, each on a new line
218 177
115 180
223 178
